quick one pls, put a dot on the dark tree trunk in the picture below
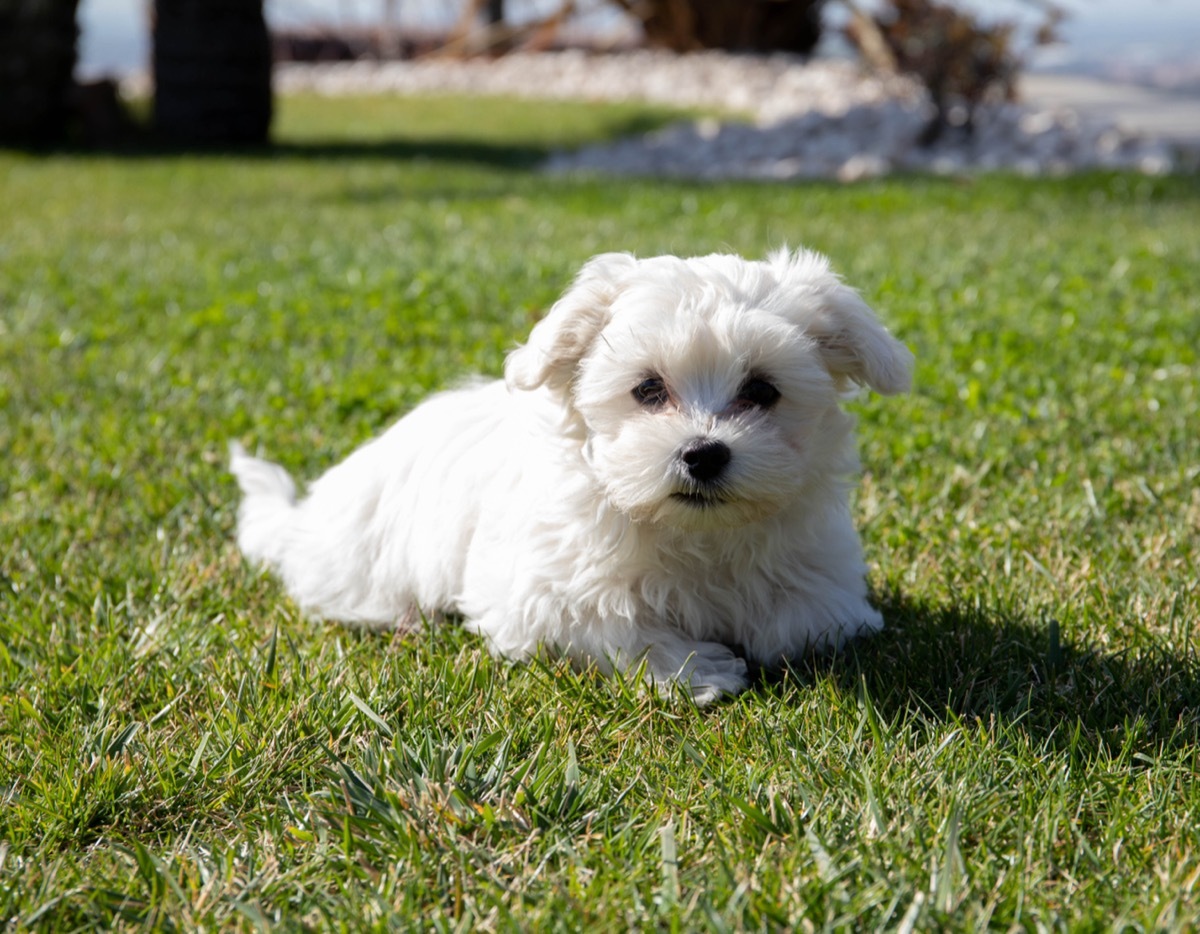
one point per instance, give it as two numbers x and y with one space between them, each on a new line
212 71
493 12
37 63
737 25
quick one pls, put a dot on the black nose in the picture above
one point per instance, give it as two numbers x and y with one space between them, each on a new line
705 459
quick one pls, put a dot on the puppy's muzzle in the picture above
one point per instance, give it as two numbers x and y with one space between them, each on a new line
705 461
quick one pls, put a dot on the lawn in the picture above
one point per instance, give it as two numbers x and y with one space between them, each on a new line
180 749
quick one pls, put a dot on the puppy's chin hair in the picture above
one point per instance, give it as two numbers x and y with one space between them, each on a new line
675 504
707 514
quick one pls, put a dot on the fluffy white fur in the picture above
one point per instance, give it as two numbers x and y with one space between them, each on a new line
556 508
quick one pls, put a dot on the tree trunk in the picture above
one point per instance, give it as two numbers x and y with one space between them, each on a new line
736 25
212 71
37 63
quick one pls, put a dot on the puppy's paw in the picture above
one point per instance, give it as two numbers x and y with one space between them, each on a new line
716 678
708 670
868 622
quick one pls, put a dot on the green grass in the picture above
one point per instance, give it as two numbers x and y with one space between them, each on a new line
178 748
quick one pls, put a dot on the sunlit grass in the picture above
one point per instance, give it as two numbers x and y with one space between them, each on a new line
179 748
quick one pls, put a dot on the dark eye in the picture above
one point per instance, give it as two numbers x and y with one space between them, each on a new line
757 392
651 392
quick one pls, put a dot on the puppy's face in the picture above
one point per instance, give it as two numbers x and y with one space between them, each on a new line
702 412
708 388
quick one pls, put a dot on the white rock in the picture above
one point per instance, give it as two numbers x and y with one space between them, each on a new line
808 119
863 166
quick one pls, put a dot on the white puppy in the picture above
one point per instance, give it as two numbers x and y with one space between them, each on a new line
661 475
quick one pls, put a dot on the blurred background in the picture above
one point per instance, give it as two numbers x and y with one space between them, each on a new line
1153 42
207 67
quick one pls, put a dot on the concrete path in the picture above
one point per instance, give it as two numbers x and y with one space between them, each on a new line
1150 111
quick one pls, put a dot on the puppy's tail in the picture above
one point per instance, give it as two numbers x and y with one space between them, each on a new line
268 505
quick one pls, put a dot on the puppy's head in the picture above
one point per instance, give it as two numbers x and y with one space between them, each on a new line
708 388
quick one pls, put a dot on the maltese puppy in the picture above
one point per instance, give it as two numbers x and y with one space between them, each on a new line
660 478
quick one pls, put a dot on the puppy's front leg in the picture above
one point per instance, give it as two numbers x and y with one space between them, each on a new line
708 670
809 625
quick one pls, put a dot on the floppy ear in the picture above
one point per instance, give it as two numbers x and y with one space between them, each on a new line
852 343
560 340
855 346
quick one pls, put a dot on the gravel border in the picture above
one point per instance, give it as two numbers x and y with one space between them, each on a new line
801 119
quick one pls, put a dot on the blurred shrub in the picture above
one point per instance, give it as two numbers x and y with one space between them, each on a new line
962 61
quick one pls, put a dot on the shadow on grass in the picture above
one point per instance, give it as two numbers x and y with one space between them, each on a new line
140 143
970 662
518 154
506 155
467 152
